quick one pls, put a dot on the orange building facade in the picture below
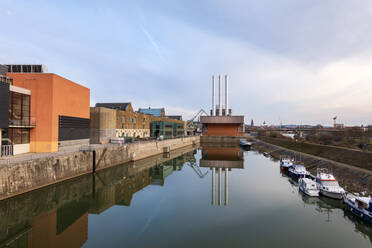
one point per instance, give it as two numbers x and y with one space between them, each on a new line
60 108
222 125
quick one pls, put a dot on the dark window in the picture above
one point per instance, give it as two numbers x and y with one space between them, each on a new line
4 105
19 109
73 128
16 136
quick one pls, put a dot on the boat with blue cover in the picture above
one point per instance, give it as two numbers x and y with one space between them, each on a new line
360 206
285 163
298 171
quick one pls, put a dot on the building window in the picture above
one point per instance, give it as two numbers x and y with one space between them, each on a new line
16 136
123 119
122 126
134 126
19 109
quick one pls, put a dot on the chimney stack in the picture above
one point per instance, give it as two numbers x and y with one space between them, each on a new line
213 96
226 95
220 98
217 104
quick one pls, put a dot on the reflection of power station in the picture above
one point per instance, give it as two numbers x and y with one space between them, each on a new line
221 160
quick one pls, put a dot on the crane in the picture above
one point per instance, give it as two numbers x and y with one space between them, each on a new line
334 121
190 122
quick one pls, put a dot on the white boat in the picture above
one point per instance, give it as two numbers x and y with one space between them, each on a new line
328 185
308 186
244 143
285 163
359 206
298 171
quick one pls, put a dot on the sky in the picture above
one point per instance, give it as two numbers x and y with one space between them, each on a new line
289 61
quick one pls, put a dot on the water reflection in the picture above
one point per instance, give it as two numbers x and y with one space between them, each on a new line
57 216
221 160
169 191
328 207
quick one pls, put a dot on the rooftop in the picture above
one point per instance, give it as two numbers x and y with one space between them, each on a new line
176 117
27 68
222 119
159 112
119 105
3 70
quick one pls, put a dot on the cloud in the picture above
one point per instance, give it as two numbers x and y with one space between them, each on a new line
153 43
294 61
9 12
187 114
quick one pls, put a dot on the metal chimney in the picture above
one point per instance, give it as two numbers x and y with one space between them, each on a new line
220 99
226 95
213 96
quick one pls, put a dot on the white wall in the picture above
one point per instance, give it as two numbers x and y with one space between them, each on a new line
19 149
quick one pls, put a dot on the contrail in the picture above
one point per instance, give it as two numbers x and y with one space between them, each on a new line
153 43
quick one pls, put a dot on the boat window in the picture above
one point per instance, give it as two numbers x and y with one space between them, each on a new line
330 183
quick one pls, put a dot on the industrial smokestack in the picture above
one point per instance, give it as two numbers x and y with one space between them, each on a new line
226 95
220 98
213 96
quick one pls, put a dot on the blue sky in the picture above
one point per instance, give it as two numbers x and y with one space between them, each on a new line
291 61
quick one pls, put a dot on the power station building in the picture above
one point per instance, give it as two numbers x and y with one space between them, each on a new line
221 122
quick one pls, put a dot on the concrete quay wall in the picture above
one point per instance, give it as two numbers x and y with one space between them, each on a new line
25 176
234 140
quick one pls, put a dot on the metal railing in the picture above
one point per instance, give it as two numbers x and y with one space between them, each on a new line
6 150
29 122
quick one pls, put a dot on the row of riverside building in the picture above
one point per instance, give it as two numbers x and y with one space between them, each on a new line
44 112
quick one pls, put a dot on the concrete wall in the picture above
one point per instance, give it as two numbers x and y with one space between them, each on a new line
220 139
111 156
25 176
102 124
33 174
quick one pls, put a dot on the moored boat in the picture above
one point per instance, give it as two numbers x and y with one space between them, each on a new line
285 163
328 184
308 186
244 143
298 171
359 206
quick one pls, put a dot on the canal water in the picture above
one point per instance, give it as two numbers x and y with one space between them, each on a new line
207 197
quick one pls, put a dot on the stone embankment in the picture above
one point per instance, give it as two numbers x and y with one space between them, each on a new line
339 154
353 179
17 178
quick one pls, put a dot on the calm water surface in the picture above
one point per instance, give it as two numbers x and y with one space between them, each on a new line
174 202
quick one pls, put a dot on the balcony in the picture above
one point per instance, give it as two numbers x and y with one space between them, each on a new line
23 123
5 79
6 150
